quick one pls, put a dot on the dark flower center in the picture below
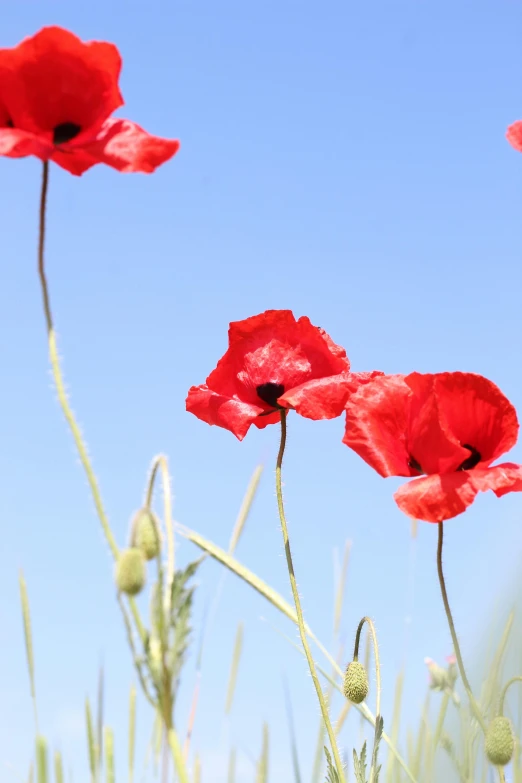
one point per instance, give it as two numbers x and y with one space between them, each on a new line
473 460
469 463
65 132
270 393
9 123
414 465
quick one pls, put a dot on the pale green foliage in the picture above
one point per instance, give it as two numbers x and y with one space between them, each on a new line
41 760
331 772
359 765
262 765
236 657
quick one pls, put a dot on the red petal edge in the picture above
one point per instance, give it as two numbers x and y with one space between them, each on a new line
222 411
121 144
514 135
326 398
440 497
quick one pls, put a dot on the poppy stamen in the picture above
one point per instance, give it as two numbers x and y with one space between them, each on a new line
65 132
473 460
270 393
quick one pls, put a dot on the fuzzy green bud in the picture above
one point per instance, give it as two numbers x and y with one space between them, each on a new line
500 742
146 533
130 571
356 682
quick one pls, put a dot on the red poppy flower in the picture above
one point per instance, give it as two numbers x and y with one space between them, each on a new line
514 135
449 426
56 97
275 362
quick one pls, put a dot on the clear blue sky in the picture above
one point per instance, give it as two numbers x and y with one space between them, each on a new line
347 161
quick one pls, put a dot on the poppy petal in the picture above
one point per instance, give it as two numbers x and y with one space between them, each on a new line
226 412
502 479
281 320
514 135
325 398
16 143
438 497
430 441
122 144
477 413
377 418
53 78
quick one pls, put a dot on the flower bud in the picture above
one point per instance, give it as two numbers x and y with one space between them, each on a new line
130 571
146 534
356 682
500 742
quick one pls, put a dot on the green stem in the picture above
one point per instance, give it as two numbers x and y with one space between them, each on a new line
508 684
62 394
177 755
373 633
297 601
440 720
160 463
456 646
134 654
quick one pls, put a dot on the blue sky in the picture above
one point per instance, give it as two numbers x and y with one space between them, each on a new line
347 161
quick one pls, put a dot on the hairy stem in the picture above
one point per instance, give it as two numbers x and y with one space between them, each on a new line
297 601
62 394
373 634
456 646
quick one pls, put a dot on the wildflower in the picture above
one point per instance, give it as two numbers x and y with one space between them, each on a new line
438 679
443 679
57 95
450 426
274 362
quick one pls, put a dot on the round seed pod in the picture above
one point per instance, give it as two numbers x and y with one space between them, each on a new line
146 533
130 571
500 742
356 682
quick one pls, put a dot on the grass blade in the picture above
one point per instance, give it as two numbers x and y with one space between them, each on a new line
262 767
91 742
236 657
341 586
232 766
284 607
395 724
28 642
244 511
58 767
99 718
291 729
108 736
41 760
197 769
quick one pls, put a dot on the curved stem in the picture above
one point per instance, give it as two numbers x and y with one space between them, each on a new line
456 646
373 633
160 463
378 718
297 601
508 684
62 394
